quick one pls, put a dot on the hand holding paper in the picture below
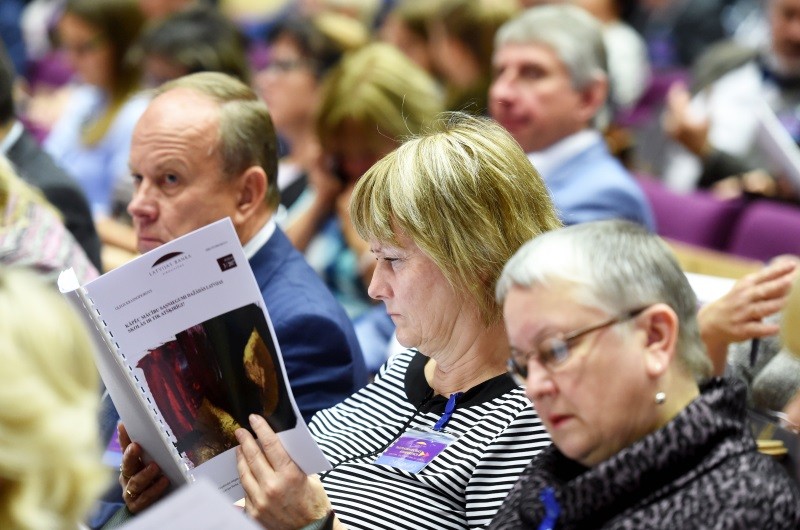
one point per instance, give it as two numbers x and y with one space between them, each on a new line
277 492
142 485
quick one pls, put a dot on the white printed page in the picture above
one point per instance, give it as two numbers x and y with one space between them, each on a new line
196 507
129 402
778 150
190 324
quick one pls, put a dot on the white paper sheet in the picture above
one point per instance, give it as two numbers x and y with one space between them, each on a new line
196 355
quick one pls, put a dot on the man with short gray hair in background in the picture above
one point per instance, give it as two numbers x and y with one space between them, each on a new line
550 85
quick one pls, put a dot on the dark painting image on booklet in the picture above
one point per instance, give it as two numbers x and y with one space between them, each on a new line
187 352
208 380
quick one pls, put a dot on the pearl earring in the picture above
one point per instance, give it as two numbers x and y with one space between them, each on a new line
661 397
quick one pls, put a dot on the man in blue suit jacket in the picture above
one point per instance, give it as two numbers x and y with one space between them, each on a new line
549 90
205 149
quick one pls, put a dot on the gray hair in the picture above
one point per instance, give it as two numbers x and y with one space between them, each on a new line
572 33
246 134
615 266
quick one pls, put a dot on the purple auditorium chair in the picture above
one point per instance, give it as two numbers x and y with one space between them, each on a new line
651 103
766 229
697 218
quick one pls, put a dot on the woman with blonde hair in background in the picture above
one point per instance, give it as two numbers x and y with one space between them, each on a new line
50 467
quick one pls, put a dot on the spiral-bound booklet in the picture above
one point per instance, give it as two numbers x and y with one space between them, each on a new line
187 352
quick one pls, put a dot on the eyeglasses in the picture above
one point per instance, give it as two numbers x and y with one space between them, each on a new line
282 66
554 351
85 47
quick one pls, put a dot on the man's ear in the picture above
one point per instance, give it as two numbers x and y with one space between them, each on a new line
252 188
593 97
660 323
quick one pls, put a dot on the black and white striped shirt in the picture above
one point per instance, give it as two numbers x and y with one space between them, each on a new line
497 432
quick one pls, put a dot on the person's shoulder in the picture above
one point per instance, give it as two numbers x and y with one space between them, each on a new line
295 283
279 267
129 115
36 166
82 101
522 415
593 155
600 187
596 170
298 300
83 94
388 388
136 103
754 487
717 61
751 477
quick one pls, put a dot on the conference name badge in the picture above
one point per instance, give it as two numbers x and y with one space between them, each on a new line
415 449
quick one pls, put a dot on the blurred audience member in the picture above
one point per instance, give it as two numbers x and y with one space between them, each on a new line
626 51
677 31
302 51
739 315
158 9
50 455
550 84
603 332
47 75
37 168
407 26
372 100
761 312
32 234
92 139
717 128
462 40
197 39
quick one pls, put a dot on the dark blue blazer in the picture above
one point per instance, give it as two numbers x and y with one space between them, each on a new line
319 346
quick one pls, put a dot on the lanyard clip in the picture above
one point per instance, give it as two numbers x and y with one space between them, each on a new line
448 411
551 509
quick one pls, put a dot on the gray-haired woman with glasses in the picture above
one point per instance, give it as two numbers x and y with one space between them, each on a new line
603 329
